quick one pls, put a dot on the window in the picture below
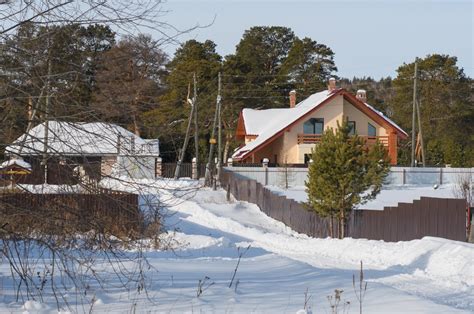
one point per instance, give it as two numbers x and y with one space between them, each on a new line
314 126
318 126
372 130
352 126
308 127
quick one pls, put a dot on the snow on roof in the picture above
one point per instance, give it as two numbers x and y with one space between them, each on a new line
389 196
72 139
257 121
17 162
266 123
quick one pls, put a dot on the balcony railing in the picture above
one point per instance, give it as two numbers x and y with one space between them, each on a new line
316 138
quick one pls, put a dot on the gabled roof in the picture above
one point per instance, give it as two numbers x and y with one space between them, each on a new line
79 139
269 124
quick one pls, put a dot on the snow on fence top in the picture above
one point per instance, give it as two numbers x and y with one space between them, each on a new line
79 139
397 176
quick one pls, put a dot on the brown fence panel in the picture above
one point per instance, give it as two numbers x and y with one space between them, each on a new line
424 213
253 191
442 223
416 219
118 212
407 221
286 211
434 223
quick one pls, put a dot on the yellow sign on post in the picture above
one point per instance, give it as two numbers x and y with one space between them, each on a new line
212 141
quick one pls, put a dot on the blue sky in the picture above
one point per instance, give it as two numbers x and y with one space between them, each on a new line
369 38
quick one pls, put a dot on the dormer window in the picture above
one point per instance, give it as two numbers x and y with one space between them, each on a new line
314 126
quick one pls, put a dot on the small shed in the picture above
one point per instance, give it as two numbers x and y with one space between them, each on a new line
101 149
11 171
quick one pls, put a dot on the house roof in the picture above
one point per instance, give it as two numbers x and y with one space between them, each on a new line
79 139
268 124
15 162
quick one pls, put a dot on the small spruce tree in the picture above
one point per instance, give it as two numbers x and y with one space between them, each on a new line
344 173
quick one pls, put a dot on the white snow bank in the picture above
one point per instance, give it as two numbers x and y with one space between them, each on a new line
440 262
35 307
430 275
388 196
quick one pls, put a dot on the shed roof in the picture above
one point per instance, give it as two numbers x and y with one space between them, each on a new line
80 139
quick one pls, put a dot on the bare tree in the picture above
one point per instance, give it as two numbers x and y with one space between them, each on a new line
53 240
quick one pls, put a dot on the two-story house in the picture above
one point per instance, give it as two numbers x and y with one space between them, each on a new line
287 135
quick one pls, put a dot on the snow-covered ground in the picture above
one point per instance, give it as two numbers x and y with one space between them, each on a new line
390 195
430 275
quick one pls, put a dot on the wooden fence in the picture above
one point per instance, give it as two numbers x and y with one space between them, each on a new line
110 212
436 217
59 171
186 170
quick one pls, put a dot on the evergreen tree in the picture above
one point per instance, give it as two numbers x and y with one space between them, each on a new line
73 50
446 106
308 66
380 93
269 62
168 120
344 173
129 81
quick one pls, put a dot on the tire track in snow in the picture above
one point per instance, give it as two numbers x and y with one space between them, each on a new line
403 265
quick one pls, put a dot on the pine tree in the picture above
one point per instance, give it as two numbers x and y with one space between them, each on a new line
129 81
168 119
344 173
446 106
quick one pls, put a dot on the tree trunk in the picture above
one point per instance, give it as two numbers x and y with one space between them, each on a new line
136 128
226 147
341 223
331 226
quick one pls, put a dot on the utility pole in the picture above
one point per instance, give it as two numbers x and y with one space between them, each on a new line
420 134
44 160
212 140
188 129
413 129
196 130
219 136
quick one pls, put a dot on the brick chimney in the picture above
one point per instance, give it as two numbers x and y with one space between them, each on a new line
332 84
362 95
292 99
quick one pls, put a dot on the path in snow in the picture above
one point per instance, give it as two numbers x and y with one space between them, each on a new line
431 275
436 269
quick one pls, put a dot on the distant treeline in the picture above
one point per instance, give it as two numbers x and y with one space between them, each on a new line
89 74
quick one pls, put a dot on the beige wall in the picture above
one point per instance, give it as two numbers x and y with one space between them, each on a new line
286 147
331 113
361 120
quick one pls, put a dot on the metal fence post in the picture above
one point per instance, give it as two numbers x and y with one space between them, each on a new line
158 167
404 176
440 176
265 168
194 169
